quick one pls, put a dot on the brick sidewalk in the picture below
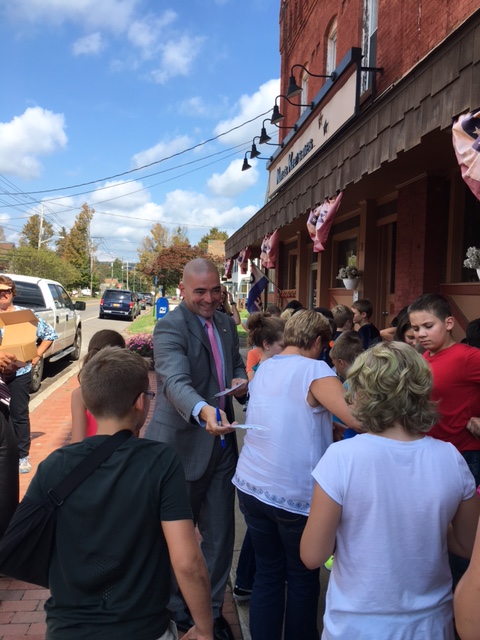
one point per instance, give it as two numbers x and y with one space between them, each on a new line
21 604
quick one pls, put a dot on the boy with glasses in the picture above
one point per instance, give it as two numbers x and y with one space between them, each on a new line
118 532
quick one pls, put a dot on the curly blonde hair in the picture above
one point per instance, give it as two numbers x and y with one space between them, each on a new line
390 383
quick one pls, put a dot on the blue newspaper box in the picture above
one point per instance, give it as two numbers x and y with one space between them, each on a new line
162 307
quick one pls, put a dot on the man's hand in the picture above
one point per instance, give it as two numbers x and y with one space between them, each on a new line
473 426
241 391
209 415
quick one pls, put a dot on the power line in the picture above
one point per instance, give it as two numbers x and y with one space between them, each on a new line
151 164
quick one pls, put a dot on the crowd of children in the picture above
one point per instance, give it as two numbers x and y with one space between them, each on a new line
396 506
376 496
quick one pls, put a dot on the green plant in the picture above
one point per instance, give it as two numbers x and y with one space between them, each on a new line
350 271
473 258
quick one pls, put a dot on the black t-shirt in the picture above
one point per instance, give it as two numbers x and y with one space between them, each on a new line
370 335
110 569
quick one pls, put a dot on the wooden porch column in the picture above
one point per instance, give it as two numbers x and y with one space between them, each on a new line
303 267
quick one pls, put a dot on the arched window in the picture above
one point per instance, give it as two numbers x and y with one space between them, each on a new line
370 23
304 95
332 48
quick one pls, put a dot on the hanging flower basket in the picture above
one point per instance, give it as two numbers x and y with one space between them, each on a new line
350 275
351 283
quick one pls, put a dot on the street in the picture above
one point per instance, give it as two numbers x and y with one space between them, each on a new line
91 323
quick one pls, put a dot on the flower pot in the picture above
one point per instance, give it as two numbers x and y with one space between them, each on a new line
350 283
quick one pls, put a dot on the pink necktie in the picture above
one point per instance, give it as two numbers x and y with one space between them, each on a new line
218 360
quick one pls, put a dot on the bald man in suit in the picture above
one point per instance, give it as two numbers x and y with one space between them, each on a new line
185 417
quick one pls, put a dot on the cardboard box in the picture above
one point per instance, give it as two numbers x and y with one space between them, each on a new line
18 331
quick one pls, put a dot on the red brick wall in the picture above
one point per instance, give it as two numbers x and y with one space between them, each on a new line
422 226
407 31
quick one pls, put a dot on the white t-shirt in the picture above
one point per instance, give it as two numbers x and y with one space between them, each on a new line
390 577
275 466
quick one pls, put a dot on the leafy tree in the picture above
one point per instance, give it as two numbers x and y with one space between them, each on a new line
179 236
213 234
61 242
78 246
30 234
2 235
169 263
151 245
43 263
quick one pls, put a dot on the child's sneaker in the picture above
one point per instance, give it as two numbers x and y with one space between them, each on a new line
329 563
24 465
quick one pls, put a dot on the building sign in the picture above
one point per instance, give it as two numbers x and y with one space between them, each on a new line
324 122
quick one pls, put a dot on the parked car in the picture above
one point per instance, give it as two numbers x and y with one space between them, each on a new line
49 300
119 302
143 302
148 298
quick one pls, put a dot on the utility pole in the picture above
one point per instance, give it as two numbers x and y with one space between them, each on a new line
40 230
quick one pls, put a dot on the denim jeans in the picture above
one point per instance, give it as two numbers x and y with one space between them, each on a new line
458 565
247 566
276 535
19 414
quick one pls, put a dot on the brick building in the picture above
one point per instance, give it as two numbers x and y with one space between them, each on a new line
379 128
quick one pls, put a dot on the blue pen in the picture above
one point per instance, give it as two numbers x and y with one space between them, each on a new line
219 422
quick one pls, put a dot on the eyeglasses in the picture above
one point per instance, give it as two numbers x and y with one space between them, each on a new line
150 394
5 292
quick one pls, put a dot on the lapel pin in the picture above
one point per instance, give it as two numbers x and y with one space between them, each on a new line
224 331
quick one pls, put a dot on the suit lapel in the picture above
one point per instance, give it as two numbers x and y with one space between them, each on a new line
196 328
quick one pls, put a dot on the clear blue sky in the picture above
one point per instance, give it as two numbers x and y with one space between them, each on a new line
96 88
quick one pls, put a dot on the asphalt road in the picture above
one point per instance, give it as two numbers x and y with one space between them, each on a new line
91 323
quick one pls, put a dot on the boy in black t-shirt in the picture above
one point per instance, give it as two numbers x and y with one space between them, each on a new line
120 532
362 312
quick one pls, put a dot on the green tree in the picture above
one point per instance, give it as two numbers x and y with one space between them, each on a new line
179 236
151 245
43 263
213 234
2 235
78 245
61 242
30 234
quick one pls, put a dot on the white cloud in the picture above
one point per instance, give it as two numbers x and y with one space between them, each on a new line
111 15
247 108
37 132
145 33
161 150
92 44
177 58
233 180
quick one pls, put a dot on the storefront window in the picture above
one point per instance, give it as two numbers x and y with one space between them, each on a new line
345 249
471 232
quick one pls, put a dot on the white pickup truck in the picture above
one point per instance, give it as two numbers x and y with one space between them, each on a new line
51 302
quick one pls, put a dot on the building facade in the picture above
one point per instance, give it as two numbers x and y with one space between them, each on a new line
379 128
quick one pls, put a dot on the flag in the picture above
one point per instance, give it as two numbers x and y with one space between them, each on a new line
466 143
242 259
227 267
325 215
269 250
258 283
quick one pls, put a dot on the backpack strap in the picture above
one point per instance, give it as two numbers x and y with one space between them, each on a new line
81 472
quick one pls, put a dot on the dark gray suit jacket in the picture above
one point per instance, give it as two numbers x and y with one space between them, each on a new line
186 374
